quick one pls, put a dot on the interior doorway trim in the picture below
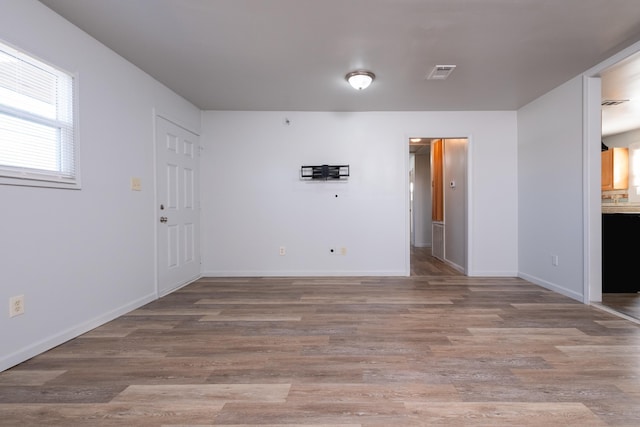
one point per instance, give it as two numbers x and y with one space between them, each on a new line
592 209
467 201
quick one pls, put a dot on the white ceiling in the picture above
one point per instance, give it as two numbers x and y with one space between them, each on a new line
287 55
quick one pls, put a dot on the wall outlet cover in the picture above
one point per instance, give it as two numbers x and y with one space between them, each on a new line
16 305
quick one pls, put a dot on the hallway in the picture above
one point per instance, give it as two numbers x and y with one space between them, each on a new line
424 264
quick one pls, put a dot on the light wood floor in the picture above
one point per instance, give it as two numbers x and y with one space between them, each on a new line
424 264
628 304
439 349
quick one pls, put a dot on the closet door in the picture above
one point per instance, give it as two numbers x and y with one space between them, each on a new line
437 202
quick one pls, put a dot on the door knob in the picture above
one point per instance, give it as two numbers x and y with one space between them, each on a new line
163 219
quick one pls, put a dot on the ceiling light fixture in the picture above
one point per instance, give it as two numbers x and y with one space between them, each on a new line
360 79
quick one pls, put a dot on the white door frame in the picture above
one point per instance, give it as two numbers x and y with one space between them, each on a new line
592 208
468 198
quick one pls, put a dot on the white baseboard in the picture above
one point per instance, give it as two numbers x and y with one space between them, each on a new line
73 332
288 273
552 287
453 265
495 273
180 285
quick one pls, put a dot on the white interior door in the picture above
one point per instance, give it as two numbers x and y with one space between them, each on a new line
178 210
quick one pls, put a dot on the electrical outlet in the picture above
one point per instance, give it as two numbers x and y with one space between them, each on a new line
554 260
283 251
16 305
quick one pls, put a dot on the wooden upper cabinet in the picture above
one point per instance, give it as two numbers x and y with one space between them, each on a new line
437 200
615 169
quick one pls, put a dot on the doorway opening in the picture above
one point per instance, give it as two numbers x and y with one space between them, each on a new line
437 206
620 182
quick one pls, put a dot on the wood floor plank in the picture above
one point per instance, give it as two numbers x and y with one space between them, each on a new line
204 393
76 393
29 377
251 318
274 425
363 393
389 414
508 414
545 332
108 414
595 351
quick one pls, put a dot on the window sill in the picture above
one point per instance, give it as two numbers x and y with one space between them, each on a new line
30 182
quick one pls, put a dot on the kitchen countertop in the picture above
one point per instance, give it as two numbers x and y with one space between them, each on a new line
621 207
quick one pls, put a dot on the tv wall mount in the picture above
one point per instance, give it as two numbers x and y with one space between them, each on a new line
324 172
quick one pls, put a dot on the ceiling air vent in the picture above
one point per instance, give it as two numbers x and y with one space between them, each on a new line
612 102
441 72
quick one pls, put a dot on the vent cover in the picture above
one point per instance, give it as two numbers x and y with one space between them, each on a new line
441 72
612 102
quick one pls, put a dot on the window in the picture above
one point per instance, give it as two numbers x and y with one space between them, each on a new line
37 144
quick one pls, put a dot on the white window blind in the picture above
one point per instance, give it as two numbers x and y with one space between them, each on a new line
36 120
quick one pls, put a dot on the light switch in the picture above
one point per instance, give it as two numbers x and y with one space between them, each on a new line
136 185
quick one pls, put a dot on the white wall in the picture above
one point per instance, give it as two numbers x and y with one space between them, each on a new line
82 257
624 139
422 200
253 201
550 190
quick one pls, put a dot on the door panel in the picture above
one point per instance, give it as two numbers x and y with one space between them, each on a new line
177 211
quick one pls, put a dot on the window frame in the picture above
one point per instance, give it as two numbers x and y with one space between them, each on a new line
24 176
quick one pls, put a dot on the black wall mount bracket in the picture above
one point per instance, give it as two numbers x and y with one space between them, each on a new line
324 172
